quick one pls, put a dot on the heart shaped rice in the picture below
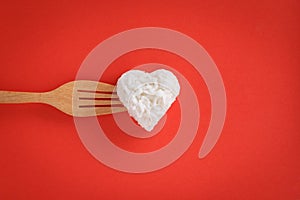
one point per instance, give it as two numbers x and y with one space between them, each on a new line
147 96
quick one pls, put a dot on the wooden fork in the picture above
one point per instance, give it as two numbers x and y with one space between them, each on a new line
80 98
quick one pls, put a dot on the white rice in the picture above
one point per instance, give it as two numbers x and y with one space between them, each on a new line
148 96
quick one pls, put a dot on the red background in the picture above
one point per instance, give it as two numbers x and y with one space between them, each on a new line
256 47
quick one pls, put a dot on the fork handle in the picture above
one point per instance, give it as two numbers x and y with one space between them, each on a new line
20 97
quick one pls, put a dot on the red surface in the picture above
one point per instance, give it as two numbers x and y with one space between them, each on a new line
256 47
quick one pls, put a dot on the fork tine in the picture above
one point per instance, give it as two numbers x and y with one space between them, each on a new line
99 102
109 110
94 86
91 98
93 111
93 89
107 102
97 95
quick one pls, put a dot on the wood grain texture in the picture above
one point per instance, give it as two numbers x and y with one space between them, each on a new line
76 98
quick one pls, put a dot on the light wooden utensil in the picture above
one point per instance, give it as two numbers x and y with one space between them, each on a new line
77 98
